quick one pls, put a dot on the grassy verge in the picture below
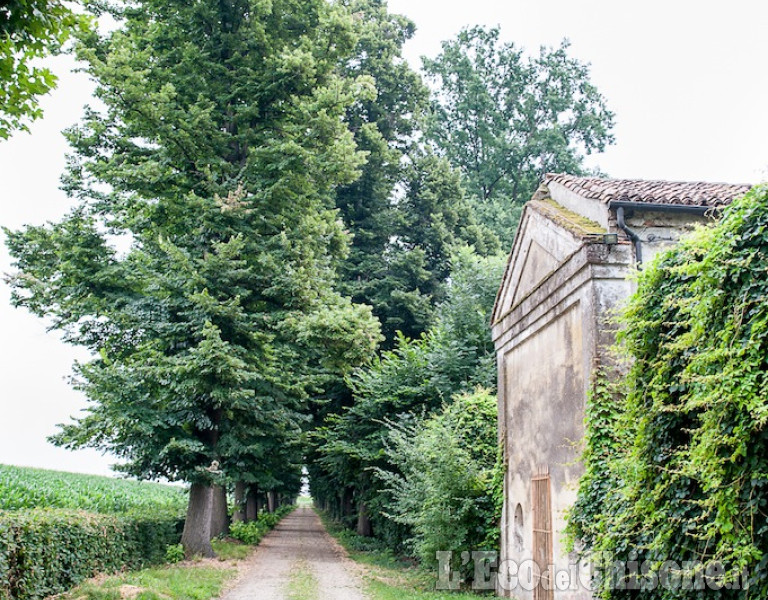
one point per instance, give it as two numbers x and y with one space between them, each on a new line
189 580
389 577
186 581
230 550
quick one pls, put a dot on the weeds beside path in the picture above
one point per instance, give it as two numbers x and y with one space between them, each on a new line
388 578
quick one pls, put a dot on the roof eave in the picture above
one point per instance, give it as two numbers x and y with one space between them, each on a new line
658 207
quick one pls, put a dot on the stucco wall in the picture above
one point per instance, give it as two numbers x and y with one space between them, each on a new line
660 230
544 384
547 344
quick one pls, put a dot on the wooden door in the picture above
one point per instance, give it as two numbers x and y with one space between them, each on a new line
542 535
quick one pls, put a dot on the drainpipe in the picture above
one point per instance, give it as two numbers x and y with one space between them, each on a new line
620 205
631 234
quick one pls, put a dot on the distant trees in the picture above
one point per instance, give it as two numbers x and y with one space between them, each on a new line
415 379
29 29
506 119
403 192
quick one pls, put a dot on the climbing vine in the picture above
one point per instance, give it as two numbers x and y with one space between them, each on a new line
676 461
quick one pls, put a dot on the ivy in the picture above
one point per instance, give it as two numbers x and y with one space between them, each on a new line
676 468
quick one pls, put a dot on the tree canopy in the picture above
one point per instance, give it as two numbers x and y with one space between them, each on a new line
30 29
505 119
391 266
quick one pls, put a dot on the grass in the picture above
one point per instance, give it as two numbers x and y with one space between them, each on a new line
181 582
303 584
231 549
389 577
192 580
379 590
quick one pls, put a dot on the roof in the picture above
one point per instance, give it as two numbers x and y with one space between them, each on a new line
651 192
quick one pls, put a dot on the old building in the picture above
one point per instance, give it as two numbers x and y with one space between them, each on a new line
578 242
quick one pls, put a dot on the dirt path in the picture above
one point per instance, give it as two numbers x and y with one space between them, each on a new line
297 553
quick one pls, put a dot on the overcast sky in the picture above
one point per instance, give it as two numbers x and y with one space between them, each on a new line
686 80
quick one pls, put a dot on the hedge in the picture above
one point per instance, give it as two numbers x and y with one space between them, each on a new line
48 551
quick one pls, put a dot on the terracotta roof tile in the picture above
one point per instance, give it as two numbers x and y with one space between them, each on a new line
653 192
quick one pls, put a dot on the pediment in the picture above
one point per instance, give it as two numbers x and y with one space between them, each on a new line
544 241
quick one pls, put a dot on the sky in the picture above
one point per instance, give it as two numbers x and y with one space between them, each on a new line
685 79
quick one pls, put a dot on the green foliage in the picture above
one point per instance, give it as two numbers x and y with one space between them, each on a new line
23 488
248 533
416 378
506 119
444 484
174 553
184 582
45 552
407 208
676 464
29 30
252 532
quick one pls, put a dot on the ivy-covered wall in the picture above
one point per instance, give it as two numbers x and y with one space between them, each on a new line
674 501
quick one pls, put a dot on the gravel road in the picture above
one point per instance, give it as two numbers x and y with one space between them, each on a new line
298 547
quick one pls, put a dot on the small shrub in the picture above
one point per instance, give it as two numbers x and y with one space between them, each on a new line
252 533
446 487
174 553
248 533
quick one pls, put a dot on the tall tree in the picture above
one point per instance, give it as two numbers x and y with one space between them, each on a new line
29 29
387 267
506 119
217 156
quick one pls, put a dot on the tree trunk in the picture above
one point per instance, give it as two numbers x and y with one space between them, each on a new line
196 538
271 501
364 521
219 517
347 509
239 514
252 504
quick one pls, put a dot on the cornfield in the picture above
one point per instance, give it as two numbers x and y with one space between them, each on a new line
26 488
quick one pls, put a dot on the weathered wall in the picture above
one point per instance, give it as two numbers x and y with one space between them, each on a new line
547 343
659 230
544 386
